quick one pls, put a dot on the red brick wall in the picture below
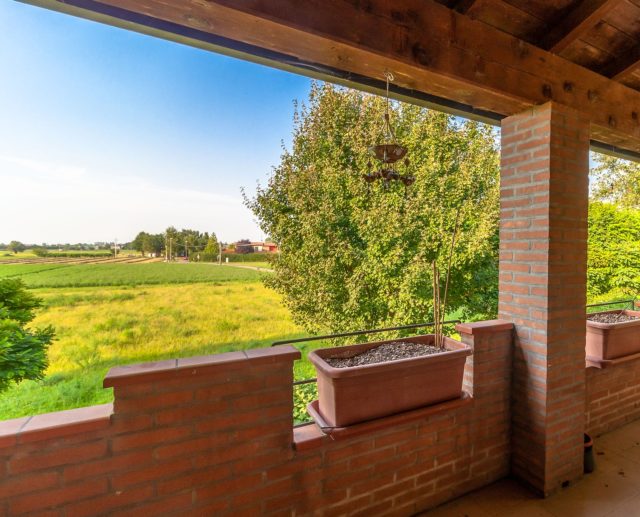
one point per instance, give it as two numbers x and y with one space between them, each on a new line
543 256
613 397
213 436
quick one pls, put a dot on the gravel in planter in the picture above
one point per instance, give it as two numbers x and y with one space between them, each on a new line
611 317
383 353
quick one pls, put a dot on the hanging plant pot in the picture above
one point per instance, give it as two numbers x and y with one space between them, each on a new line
615 336
352 394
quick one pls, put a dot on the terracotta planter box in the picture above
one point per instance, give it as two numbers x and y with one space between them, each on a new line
607 341
356 394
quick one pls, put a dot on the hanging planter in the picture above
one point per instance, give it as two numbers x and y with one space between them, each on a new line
349 395
612 335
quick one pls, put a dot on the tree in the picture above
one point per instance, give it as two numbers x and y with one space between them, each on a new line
211 250
616 181
171 237
40 251
614 250
138 243
23 351
354 257
16 247
153 243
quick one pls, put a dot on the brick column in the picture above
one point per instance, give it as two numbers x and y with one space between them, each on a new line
543 256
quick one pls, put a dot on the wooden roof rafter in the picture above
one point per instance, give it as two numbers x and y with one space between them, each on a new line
576 24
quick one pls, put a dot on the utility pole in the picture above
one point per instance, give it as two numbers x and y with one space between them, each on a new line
186 248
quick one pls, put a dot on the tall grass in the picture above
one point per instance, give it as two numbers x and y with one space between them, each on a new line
112 326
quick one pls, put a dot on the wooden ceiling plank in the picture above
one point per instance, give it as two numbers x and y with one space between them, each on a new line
463 6
576 24
622 68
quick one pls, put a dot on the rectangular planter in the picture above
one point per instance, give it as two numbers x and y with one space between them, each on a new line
360 393
607 341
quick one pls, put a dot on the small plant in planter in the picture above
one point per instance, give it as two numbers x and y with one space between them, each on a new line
366 381
612 335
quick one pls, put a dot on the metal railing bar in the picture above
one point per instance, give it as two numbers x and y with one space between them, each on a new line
631 303
305 381
359 333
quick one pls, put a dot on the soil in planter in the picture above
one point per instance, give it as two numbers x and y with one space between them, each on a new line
383 353
611 317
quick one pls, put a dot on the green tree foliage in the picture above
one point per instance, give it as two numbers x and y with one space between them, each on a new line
137 243
182 243
40 251
152 243
211 250
614 250
353 257
16 247
23 351
615 180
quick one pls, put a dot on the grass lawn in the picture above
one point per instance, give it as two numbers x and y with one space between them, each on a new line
94 275
264 265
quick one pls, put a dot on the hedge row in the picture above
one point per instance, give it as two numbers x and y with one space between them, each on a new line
247 257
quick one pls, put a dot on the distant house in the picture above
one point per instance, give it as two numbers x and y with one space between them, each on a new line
265 247
255 247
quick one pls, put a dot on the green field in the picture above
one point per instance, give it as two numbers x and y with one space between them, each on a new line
27 254
8 255
127 313
104 275
262 265
111 314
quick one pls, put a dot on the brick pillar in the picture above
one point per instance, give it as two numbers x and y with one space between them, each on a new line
543 256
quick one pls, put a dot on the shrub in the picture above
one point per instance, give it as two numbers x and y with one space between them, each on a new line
248 257
303 395
23 352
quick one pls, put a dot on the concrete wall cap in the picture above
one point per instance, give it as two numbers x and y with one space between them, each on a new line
479 327
146 372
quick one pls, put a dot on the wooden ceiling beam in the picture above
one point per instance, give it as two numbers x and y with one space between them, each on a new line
576 24
431 49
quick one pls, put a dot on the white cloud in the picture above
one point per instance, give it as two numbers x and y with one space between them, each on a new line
49 169
61 203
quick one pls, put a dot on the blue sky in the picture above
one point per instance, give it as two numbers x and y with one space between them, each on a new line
105 132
